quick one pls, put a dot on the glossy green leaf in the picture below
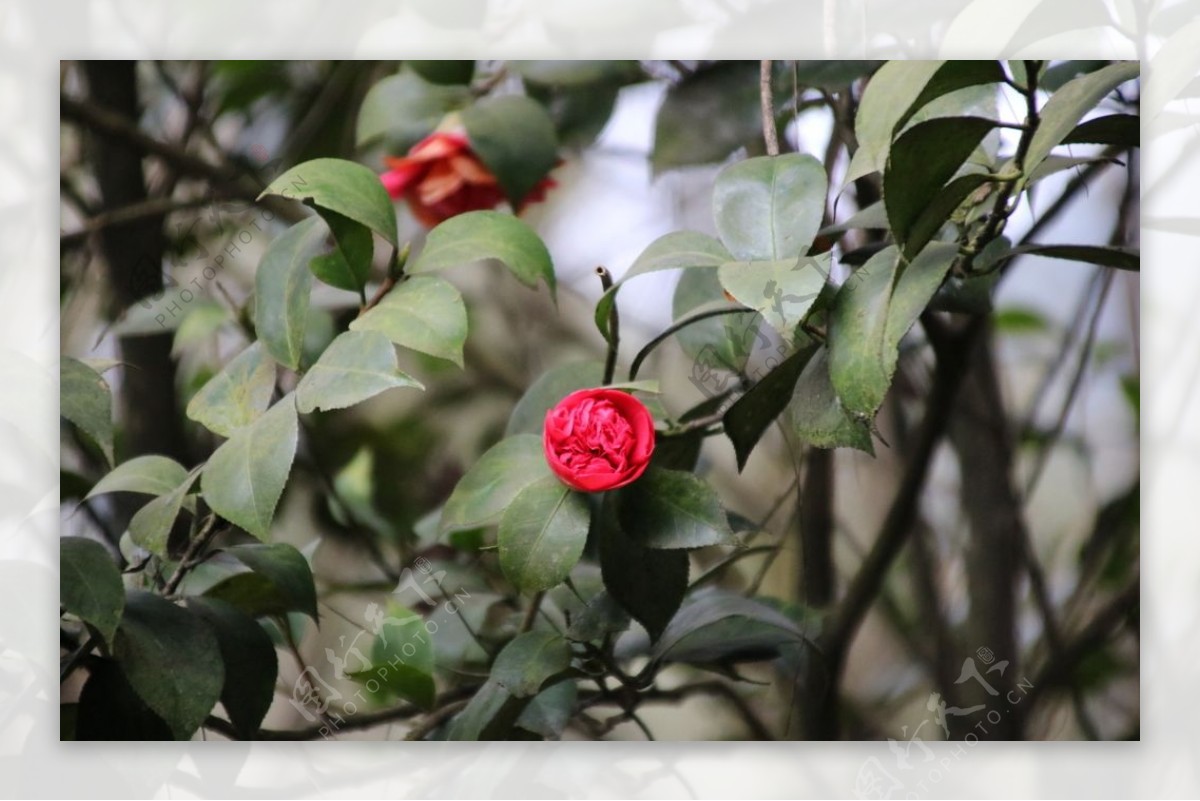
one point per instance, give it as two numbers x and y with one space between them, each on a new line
341 186
514 137
873 217
151 526
424 313
724 628
781 291
600 616
542 534
770 208
486 490
86 401
888 97
282 287
667 509
348 266
1068 105
238 395
707 116
718 346
817 414
251 664
479 235
1121 258
279 581
872 312
244 478
678 250
940 209
750 415
921 162
1117 130
404 108
521 670
950 77
529 415
150 475
402 657
356 366
172 660
90 585
550 710
648 583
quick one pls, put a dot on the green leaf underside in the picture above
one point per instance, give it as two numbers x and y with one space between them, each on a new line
149 475
668 509
251 664
649 583
491 484
425 314
172 661
356 366
750 415
542 534
150 527
238 395
341 186
90 585
282 288
479 235
244 478
86 401
781 291
769 208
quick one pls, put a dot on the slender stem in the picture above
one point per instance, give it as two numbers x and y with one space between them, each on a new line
191 556
614 327
76 658
436 718
770 133
674 328
531 612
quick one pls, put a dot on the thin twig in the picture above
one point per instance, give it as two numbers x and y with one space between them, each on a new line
531 612
614 327
191 556
435 719
770 133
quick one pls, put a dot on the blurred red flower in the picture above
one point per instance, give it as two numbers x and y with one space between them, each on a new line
441 177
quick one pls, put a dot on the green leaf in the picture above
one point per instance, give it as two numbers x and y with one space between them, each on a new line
770 208
579 113
282 287
150 475
887 99
514 137
90 585
550 710
109 709
479 235
649 583
198 325
491 484
817 414
678 250
750 415
668 509
1122 258
244 478
724 628
356 366
279 581
172 660
349 265
941 208
424 313
831 74
529 415
707 116
578 73
238 395
871 314
1068 105
151 527
950 77
341 186
86 401
251 664
521 670
718 346
600 616
873 217
922 160
444 72
542 534
1117 130
402 657
1020 320
404 108
782 291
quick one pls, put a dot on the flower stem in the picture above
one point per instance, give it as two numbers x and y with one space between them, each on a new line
614 327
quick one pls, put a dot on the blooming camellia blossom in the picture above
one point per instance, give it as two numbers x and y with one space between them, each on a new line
598 439
441 177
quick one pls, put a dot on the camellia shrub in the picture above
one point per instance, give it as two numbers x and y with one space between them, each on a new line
607 555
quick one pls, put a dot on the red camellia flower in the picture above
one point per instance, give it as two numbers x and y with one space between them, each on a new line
441 177
598 439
